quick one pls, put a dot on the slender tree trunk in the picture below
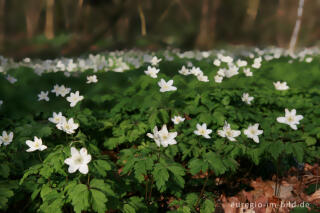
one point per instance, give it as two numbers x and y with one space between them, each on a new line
49 27
252 11
205 38
2 30
33 10
295 34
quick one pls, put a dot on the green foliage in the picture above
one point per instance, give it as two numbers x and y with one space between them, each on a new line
128 172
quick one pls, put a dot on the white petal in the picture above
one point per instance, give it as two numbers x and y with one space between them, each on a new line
74 151
281 119
84 169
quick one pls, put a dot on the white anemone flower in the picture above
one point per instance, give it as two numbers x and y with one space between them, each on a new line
246 98
218 78
78 161
60 90
35 145
281 86
68 126
6 138
290 118
247 72
152 72
163 137
43 96
154 61
203 131
253 132
184 71
92 79
177 119
166 86
74 98
227 132
217 62
57 118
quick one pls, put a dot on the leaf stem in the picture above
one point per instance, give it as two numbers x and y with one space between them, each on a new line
202 190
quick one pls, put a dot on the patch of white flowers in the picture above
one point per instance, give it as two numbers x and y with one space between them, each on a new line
152 72
68 126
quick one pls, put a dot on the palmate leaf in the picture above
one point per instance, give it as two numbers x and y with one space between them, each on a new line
6 192
207 206
161 176
79 195
98 201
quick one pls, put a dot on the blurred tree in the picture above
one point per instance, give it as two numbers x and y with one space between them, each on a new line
32 10
49 27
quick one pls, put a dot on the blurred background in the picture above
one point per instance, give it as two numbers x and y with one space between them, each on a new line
51 28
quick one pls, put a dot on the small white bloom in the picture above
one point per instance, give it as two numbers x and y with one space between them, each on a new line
196 71
203 78
281 86
241 63
92 79
35 145
226 59
256 65
227 132
184 71
177 119
247 72
1 102
57 118
253 132
43 96
74 98
218 78
6 138
152 72
217 62
203 131
68 126
154 61
246 98
78 161
163 137
11 79
166 86
290 118
309 60
221 72
60 90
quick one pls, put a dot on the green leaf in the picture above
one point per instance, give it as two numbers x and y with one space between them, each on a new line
102 166
79 195
161 176
98 200
207 207
216 163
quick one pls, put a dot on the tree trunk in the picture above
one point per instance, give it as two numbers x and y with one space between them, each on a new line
33 10
205 38
49 27
295 34
2 30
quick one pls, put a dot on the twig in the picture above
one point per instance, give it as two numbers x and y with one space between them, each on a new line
202 190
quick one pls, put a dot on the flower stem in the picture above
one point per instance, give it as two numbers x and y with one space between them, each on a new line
202 191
